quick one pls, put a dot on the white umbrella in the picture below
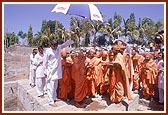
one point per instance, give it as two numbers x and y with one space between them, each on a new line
84 10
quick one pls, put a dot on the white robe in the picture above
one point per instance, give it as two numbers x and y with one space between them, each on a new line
39 67
53 61
40 77
32 62
32 73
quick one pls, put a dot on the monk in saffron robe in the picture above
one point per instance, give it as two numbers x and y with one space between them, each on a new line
94 73
79 77
129 67
118 79
98 69
65 83
148 76
105 76
137 60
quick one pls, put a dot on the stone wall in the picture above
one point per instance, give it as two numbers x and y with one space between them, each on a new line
26 99
10 96
16 67
16 63
17 97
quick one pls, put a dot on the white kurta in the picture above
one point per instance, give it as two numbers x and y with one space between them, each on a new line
40 67
53 69
40 77
32 62
32 73
53 61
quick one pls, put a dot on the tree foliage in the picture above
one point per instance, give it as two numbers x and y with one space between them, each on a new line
22 35
11 39
140 33
30 36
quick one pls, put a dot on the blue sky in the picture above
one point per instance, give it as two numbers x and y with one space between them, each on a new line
19 16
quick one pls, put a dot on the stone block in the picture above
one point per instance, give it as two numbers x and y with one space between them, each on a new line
10 96
131 105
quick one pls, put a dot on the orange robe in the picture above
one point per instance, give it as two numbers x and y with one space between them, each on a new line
65 84
129 66
149 77
94 74
119 81
137 60
79 77
107 68
106 74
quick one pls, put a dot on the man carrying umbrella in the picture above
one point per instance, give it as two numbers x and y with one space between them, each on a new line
53 67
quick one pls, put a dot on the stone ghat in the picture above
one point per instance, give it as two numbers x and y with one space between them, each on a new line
25 99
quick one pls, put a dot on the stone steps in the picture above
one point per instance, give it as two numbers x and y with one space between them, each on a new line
27 97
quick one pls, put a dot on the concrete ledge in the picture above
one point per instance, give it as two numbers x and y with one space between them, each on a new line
10 96
26 98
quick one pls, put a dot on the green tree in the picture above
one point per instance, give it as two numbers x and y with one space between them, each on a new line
12 39
22 35
87 39
117 20
46 36
38 38
149 28
30 36
96 27
61 34
112 27
51 30
44 25
130 29
78 26
51 25
160 25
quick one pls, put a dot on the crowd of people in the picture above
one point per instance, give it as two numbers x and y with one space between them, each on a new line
119 72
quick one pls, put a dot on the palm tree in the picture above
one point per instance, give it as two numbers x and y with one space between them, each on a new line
149 28
43 39
60 32
38 38
95 27
78 26
46 36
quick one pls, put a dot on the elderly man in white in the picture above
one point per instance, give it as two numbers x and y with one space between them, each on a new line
53 66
